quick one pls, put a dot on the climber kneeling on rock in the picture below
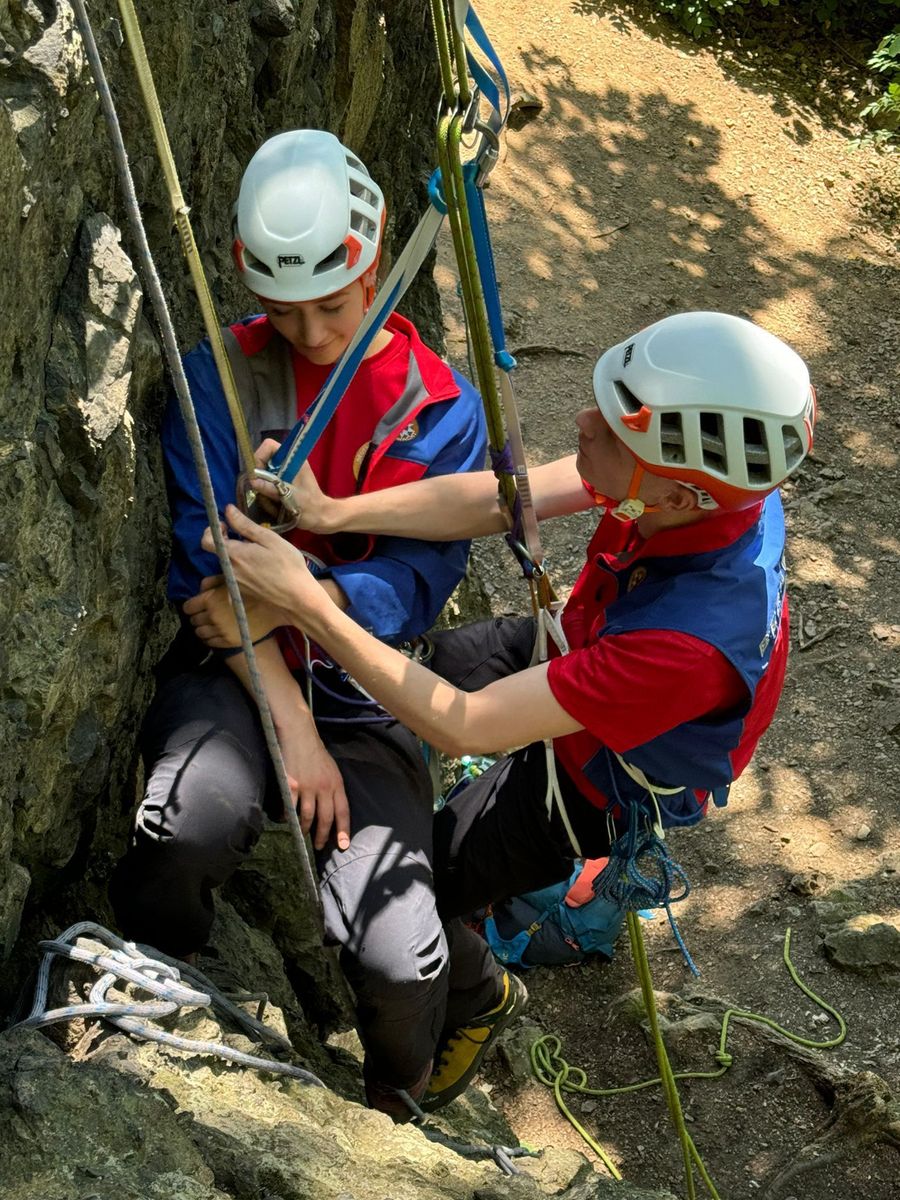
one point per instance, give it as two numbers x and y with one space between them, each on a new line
307 234
677 626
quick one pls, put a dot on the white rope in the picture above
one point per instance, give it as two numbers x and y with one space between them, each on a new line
653 790
549 628
156 973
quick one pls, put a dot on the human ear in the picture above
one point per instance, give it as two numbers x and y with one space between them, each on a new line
678 499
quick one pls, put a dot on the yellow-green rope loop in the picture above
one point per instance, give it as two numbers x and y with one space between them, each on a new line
552 1070
439 22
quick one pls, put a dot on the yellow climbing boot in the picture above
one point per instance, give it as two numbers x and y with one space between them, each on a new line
459 1054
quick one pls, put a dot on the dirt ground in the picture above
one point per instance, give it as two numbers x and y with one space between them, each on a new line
658 177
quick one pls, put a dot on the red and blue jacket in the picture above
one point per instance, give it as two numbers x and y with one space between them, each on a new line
647 623
406 416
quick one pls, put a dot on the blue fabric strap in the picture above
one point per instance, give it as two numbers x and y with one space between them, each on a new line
487 270
298 445
289 458
482 79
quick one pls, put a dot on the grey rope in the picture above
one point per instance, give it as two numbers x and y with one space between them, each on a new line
501 1155
178 985
157 974
182 391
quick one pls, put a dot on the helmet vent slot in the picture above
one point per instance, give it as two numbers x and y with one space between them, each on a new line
627 399
337 258
756 452
363 225
671 437
257 264
361 192
793 446
712 441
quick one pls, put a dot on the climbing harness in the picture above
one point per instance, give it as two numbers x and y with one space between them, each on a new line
174 985
182 391
552 1070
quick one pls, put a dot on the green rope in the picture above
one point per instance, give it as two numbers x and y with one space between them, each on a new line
552 1070
449 140
689 1151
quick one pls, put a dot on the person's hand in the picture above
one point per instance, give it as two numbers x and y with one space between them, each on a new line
316 512
213 617
317 786
269 569
264 452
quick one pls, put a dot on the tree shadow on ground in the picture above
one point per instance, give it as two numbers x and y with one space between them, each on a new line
806 74
632 221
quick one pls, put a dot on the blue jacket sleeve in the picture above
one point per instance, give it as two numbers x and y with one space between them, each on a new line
398 592
189 563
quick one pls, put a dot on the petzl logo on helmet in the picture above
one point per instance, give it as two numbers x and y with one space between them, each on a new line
629 350
291 260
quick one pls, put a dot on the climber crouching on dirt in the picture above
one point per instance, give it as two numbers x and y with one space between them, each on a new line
677 625
307 236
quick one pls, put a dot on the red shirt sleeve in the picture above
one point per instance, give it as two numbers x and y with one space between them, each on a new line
627 688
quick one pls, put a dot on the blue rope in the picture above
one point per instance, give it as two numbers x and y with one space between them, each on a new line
641 872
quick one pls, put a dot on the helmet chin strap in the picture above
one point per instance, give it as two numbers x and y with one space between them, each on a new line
369 286
631 508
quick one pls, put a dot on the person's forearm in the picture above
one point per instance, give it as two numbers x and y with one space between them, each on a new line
283 693
452 507
444 508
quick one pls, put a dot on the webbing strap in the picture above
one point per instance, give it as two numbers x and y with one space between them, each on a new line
298 445
487 269
483 80
189 416
549 628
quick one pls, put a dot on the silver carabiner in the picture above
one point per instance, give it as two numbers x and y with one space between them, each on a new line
470 119
262 509
488 153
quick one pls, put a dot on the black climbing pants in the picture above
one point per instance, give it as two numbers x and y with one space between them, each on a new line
393 899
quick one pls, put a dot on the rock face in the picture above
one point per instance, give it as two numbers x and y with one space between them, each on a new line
115 1117
84 550
84 524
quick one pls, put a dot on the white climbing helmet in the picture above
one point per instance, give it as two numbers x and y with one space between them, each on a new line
711 400
308 219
